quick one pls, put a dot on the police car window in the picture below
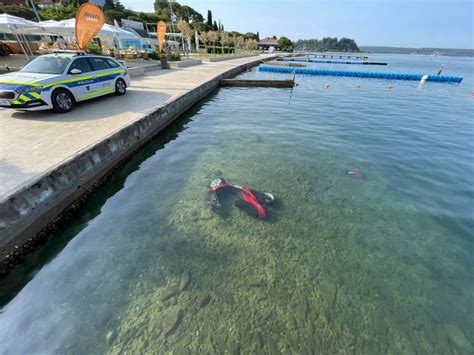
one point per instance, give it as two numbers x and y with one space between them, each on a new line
99 63
82 64
47 65
112 63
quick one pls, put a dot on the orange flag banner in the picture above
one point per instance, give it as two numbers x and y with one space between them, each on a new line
161 30
89 21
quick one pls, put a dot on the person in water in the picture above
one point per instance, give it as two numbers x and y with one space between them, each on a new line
251 201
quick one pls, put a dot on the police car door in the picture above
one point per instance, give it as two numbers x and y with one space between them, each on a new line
104 79
82 80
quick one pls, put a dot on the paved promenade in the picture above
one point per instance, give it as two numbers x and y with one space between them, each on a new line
34 142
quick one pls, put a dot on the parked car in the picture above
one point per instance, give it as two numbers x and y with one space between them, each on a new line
57 81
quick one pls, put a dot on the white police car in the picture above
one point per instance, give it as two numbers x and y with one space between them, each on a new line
57 81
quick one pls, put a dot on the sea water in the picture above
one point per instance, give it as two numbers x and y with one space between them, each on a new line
379 265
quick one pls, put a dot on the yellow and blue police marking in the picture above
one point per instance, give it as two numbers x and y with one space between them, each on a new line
25 97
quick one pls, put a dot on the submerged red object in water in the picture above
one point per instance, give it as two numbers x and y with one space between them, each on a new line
356 174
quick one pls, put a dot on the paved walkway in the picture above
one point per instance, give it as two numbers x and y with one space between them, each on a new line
33 142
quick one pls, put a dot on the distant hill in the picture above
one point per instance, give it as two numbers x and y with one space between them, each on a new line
425 51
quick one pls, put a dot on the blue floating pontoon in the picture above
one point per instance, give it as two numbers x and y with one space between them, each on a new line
360 74
329 61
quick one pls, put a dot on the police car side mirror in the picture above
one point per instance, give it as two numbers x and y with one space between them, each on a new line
75 71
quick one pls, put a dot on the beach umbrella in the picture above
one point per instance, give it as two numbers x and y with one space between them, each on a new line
67 28
113 31
13 24
59 28
18 26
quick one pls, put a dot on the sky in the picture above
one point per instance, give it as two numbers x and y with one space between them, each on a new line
400 23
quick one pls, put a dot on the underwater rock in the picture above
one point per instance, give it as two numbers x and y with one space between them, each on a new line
271 346
168 293
109 337
311 328
208 346
173 301
233 348
205 215
456 335
328 289
292 322
258 340
187 339
256 282
215 174
157 279
171 320
180 349
380 326
185 278
301 310
203 300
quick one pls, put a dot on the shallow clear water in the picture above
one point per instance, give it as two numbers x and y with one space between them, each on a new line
371 266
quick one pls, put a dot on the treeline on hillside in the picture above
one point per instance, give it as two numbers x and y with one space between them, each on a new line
455 52
117 11
326 44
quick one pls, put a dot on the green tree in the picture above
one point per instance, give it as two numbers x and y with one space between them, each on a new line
17 10
199 26
204 37
109 5
188 14
327 44
250 35
226 39
214 26
59 12
213 36
284 43
209 19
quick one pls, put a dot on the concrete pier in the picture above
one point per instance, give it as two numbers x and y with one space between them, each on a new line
48 161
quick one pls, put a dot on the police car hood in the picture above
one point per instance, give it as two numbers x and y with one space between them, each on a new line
17 79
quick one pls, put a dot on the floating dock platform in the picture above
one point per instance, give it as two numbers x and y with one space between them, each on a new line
284 64
258 83
308 60
332 56
361 74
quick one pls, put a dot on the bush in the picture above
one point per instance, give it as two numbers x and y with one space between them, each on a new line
218 49
94 48
4 50
174 56
154 55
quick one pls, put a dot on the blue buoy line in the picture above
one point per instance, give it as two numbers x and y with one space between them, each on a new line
361 74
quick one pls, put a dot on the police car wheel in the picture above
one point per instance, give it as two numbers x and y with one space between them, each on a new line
120 87
62 100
